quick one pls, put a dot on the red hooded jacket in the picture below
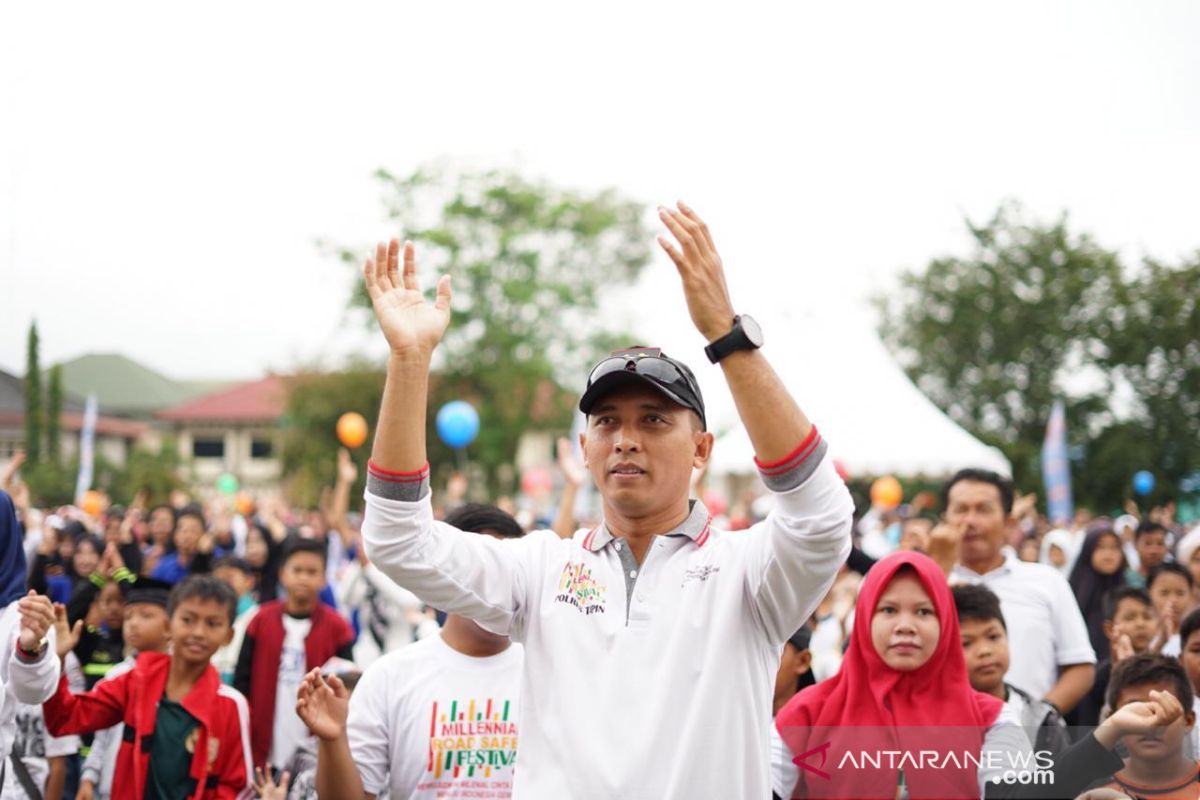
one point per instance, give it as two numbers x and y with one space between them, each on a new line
221 753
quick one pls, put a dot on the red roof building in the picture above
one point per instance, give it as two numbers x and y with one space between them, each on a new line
256 401
234 430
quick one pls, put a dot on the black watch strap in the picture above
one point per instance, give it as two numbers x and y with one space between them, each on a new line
746 335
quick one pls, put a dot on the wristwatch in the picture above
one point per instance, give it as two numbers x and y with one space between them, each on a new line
746 335
35 654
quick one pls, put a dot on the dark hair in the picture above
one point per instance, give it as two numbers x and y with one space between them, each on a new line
1169 566
1002 484
483 518
203 587
191 511
801 640
977 603
90 539
1112 600
1190 624
168 507
232 562
1147 526
1147 668
268 574
298 544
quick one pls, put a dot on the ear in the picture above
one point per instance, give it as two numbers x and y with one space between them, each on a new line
229 636
1189 719
1108 629
583 447
704 448
803 661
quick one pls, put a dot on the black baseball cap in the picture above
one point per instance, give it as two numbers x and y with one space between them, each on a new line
146 590
648 366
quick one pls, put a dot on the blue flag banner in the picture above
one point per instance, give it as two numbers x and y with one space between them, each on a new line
1056 467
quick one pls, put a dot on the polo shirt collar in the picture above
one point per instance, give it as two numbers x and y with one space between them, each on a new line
1006 566
696 526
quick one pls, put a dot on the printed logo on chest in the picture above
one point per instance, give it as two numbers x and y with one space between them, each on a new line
577 588
701 574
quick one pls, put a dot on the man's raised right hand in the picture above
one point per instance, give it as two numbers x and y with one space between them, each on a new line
411 325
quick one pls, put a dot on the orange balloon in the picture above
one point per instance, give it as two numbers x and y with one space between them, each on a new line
886 492
93 503
351 429
244 504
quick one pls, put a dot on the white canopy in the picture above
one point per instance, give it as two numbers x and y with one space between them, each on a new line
823 344
875 420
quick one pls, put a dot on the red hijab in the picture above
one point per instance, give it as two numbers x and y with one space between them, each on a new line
866 693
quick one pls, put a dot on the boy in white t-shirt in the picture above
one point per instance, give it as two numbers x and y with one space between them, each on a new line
435 719
37 757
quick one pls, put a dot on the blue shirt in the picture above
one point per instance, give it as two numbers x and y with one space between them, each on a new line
170 570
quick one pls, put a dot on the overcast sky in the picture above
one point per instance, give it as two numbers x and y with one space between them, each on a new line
164 174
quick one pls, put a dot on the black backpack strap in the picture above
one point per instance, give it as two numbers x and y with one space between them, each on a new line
24 778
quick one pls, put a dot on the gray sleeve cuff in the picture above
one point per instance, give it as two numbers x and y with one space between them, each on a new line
796 467
407 486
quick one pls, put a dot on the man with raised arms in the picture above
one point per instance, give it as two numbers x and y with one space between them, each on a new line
651 641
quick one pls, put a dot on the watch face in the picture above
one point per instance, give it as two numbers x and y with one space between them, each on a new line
752 330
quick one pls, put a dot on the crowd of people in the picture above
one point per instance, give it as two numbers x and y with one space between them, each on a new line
1104 610
434 648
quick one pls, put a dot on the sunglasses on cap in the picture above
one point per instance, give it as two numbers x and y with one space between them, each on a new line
666 374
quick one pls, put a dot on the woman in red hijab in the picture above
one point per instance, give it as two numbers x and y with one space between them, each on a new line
902 687
901 720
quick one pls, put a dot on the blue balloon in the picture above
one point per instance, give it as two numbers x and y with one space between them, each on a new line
457 423
1143 482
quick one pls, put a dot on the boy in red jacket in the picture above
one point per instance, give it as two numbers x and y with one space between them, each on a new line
171 700
285 640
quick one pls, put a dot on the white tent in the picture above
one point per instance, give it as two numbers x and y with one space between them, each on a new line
825 348
875 420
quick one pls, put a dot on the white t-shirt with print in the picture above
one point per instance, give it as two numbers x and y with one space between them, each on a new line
33 746
430 722
290 730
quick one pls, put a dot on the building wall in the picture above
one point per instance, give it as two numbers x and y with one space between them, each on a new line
11 440
236 445
113 449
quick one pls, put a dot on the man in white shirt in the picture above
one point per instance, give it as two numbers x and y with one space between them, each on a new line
38 760
1053 660
651 641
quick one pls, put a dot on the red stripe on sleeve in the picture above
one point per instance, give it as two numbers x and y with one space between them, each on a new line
808 441
398 477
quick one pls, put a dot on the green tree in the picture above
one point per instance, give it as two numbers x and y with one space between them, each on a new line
995 337
154 472
54 407
52 484
33 399
315 401
1155 349
530 263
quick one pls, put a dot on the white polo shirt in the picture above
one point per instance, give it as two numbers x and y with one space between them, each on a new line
641 681
1044 623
